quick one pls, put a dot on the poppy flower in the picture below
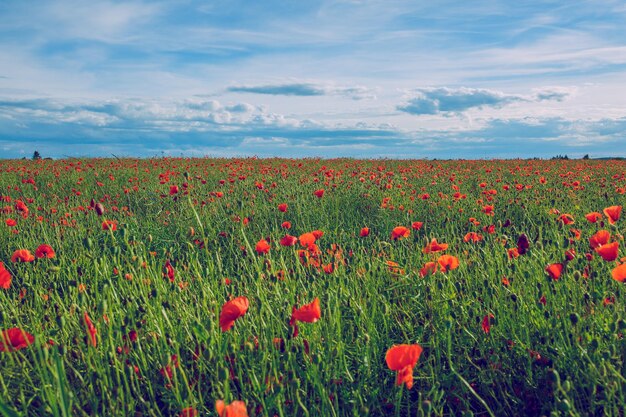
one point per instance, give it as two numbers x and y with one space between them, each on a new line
318 234
168 271
609 251
45 251
174 189
234 409
400 232
10 222
522 244
417 225
262 247
486 324
318 193
188 412
619 273
109 225
472 237
512 253
601 237
613 213
448 263
566 219
231 311
593 217
22 255
554 270
307 239
433 246
288 240
282 207
428 269
309 313
91 329
286 225
365 232
5 277
15 339
403 358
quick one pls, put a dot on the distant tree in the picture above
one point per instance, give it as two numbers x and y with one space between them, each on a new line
36 156
586 156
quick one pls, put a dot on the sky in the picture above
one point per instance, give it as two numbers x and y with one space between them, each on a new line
327 78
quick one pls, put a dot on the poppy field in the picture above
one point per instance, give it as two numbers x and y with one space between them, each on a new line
308 287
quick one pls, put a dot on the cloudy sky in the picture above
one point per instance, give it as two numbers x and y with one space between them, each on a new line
370 78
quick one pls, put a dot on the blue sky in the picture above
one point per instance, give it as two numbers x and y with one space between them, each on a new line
420 79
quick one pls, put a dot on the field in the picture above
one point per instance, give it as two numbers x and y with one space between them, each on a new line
170 285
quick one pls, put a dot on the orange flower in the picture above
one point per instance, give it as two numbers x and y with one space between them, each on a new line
234 409
45 251
609 251
613 213
5 277
403 358
109 225
309 313
288 240
473 237
619 273
448 263
91 329
22 255
593 217
601 237
364 232
428 269
15 339
307 239
231 311
400 232
554 270
433 246
513 253
262 247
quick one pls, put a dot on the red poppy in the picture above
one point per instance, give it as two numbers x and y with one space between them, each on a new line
231 311
288 240
168 271
309 313
45 251
11 222
512 253
609 252
593 217
318 193
613 213
417 225
307 239
286 225
403 358
486 324
188 412
22 255
448 263
619 273
318 234
109 225
15 339
428 269
5 277
282 207
364 232
554 270
91 329
400 232
472 237
601 237
174 189
234 409
262 247
433 246
566 219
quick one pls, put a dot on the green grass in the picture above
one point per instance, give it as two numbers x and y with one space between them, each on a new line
565 357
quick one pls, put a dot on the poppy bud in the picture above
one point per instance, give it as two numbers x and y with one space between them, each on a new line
99 209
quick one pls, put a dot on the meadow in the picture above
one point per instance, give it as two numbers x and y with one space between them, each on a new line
286 287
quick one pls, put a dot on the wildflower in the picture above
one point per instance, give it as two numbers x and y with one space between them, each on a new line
403 358
231 311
